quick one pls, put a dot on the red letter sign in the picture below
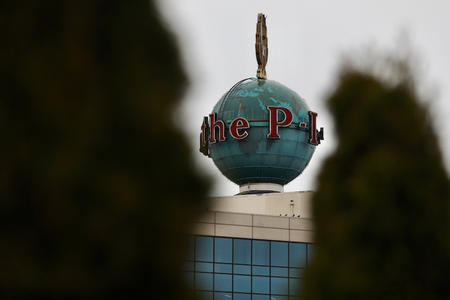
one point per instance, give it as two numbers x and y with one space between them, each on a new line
274 123
204 137
239 123
212 131
204 129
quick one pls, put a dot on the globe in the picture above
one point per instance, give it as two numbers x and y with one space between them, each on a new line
258 159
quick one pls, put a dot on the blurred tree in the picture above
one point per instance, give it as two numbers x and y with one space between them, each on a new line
382 206
96 182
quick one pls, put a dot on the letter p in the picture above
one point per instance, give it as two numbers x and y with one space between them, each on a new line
274 123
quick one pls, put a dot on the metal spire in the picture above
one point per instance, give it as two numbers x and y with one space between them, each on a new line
261 48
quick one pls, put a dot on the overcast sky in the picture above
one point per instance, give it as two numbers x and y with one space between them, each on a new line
307 40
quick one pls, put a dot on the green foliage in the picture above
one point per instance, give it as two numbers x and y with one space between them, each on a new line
382 207
96 182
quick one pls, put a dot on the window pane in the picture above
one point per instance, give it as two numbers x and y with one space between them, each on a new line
203 281
222 282
223 250
204 248
277 297
203 267
279 254
261 270
242 296
223 296
297 255
294 272
260 285
238 269
261 253
277 271
242 283
260 297
295 286
311 250
242 251
279 285
222 268
206 295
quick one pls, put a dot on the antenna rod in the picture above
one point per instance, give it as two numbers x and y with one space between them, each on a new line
261 48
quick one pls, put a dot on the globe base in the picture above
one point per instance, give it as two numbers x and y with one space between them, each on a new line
260 188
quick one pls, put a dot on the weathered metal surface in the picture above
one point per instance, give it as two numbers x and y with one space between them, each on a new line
256 158
262 51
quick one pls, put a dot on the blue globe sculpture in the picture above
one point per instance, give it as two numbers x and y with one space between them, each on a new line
258 159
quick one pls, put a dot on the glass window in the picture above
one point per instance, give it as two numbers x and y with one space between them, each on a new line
206 295
203 281
279 285
260 285
297 255
260 270
223 282
223 250
311 250
269 270
242 296
222 268
277 297
261 252
204 248
242 251
279 254
294 272
223 296
277 271
240 269
242 283
295 286
203 267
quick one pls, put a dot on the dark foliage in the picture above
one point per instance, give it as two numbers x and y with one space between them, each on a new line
96 183
382 207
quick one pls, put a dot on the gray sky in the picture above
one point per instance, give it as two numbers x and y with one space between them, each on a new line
307 39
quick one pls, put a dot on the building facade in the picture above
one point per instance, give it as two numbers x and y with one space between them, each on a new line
252 247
